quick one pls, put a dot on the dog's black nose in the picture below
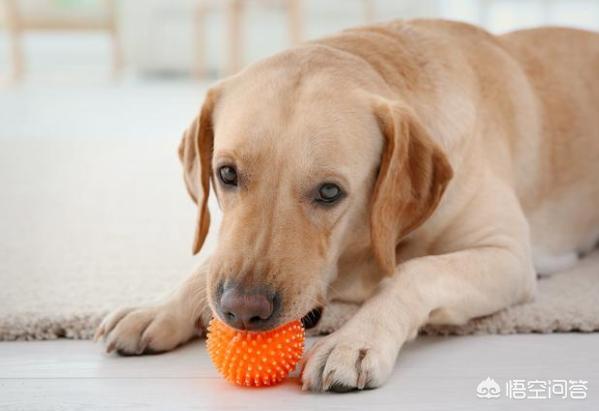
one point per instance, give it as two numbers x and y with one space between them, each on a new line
247 310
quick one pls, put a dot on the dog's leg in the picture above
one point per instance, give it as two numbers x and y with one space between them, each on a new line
335 314
491 270
162 326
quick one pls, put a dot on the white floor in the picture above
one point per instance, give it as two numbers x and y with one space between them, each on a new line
432 373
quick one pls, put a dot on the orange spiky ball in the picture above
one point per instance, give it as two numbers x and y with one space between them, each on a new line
255 359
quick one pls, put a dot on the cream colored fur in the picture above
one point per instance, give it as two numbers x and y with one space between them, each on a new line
469 162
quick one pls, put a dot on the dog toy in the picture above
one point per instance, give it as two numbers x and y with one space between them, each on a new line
255 359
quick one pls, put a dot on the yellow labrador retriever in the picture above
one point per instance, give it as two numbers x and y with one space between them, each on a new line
425 169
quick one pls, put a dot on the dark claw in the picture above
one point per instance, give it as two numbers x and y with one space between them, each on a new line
147 351
341 388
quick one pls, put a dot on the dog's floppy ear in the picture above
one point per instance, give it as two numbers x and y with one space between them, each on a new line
412 177
195 153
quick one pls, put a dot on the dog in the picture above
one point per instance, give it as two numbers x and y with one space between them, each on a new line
426 170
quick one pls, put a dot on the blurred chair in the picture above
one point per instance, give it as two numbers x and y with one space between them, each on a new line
235 13
369 10
55 16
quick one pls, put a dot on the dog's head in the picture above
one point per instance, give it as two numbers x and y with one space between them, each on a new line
307 167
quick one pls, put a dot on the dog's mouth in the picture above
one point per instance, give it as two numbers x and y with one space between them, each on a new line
312 318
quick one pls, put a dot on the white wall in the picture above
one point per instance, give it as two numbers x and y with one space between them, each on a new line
160 36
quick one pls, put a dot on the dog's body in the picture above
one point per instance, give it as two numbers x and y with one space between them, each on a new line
469 163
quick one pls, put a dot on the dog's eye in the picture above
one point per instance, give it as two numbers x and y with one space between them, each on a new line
329 193
228 175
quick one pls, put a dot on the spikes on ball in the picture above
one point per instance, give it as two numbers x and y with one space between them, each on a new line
255 359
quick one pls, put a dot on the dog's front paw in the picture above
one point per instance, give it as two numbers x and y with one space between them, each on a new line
346 361
154 329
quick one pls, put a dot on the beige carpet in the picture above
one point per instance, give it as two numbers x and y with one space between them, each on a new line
89 225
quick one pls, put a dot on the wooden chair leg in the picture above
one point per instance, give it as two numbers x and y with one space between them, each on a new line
294 14
113 29
235 29
15 31
200 70
369 10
